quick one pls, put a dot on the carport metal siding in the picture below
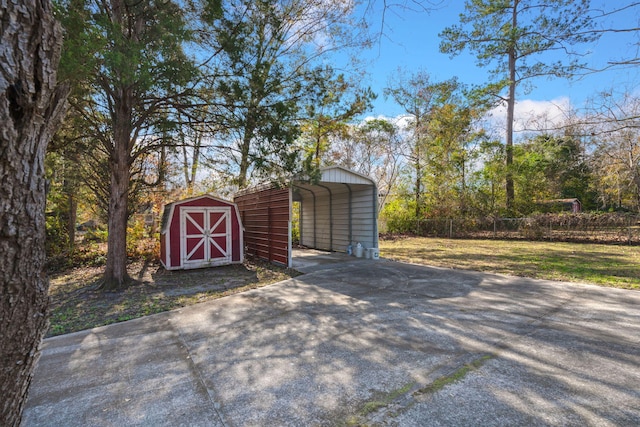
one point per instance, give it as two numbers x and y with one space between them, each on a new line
334 215
266 218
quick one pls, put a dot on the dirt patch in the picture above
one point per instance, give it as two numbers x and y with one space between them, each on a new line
78 304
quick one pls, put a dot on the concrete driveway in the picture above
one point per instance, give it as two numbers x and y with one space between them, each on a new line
358 343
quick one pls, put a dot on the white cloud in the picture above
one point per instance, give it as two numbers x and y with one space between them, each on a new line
402 121
531 116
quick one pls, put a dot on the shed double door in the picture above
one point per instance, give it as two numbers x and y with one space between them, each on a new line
205 236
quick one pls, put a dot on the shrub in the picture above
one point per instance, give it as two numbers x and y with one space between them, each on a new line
96 235
140 244
399 216
57 236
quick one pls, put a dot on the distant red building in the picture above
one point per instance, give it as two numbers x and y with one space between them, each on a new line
563 205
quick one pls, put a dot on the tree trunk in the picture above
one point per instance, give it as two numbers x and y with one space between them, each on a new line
636 181
511 102
31 108
418 168
190 171
245 149
418 187
115 275
71 222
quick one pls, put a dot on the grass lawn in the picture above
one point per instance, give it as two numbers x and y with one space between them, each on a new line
606 265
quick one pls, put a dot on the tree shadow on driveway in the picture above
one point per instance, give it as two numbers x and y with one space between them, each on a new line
378 343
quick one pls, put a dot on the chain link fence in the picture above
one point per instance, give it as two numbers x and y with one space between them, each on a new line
595 228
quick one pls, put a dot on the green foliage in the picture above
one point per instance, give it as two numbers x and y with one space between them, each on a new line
399 216
332 103
421 99
127 65
548 168
491 29
451 151
96 235
295 223
87 254
270 81
61 204
258 94
615 144
441 144
140 244
57 237
545 168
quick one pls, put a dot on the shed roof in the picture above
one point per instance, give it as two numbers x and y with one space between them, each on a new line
169 207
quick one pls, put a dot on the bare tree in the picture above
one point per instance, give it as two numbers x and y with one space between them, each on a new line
31 107
419 97
372 148
613 126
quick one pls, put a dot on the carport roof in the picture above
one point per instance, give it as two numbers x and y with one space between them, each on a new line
328 175
337 174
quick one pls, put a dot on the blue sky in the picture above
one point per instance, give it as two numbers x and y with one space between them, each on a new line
411 42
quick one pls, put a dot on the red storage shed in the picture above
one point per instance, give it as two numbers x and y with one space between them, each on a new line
202 231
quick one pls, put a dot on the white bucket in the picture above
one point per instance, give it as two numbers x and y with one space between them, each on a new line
375 253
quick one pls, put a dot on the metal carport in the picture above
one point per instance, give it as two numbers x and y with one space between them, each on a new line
337 210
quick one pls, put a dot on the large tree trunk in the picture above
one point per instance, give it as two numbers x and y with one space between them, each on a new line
30 110
116 275
511 103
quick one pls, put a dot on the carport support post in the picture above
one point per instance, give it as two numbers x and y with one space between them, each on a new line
330 216
350 214
375 216
315 215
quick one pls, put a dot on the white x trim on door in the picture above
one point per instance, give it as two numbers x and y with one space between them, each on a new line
210 248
